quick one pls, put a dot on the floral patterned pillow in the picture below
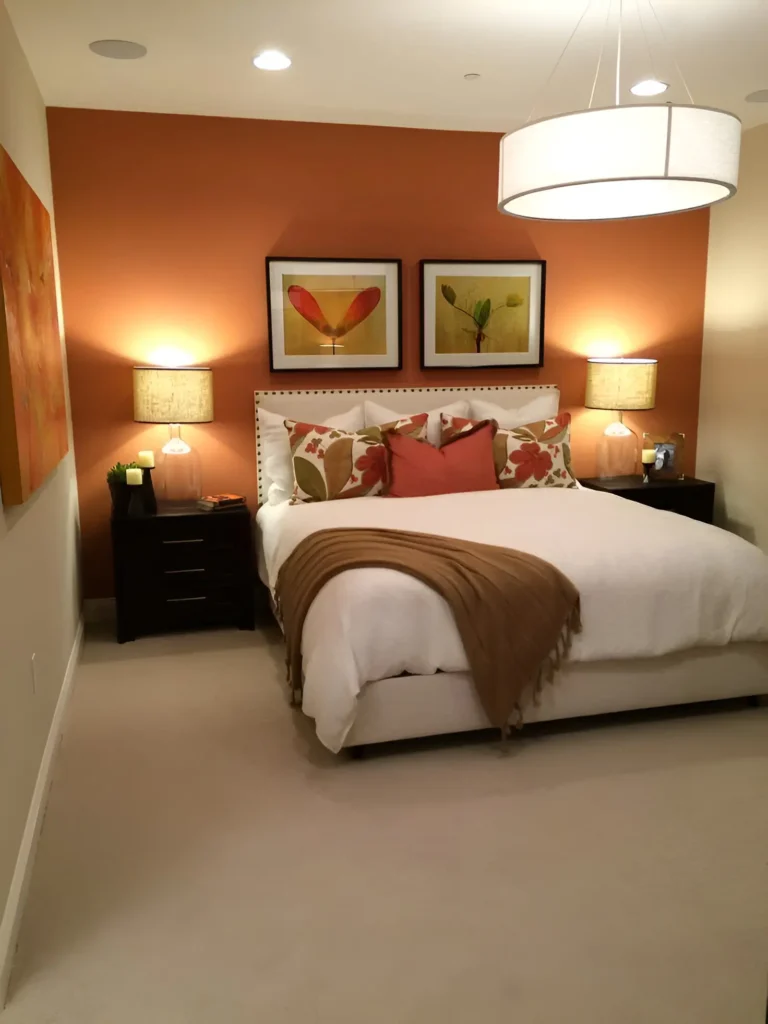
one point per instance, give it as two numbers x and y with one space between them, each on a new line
329 463
536 455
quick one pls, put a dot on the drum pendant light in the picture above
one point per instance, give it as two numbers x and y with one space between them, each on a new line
638 160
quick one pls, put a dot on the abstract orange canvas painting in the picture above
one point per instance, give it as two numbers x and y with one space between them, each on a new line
33 418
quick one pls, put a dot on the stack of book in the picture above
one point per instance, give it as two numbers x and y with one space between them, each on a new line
214 502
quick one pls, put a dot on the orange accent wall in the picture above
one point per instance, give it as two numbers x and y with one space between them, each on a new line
163 223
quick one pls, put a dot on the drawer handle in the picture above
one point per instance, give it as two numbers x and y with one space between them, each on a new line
177 600
192 540
178 572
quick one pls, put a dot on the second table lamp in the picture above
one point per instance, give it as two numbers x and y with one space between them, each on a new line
621 385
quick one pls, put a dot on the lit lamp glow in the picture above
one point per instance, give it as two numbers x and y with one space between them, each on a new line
620 385
175 396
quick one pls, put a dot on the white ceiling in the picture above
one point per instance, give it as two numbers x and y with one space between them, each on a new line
389 62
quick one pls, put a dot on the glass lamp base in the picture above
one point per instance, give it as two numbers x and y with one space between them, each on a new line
618 451
179 471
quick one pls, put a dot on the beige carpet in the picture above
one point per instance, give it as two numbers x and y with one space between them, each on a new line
204 860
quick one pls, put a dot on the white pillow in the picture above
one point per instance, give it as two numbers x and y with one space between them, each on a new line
276 465
376 414
542 407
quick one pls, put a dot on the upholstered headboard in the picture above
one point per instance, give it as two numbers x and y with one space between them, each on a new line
314 406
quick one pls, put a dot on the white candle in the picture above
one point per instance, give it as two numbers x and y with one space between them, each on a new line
133 477
648 456
146 460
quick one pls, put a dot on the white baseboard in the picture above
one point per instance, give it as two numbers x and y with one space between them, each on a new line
9 925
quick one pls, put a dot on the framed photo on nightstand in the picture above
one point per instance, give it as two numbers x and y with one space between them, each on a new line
669 455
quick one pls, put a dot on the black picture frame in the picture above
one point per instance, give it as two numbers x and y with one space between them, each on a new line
393 359
430 360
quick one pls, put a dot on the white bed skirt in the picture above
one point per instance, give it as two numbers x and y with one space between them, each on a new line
410 706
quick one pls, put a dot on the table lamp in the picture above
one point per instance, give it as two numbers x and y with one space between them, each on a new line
620 385
175 396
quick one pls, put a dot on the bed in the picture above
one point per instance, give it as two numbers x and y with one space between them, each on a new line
674 611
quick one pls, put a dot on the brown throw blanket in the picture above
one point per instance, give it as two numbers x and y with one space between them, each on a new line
515 613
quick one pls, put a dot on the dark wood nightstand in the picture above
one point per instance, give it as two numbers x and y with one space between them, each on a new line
689 497
183 570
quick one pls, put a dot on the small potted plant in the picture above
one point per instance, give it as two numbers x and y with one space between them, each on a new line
118 488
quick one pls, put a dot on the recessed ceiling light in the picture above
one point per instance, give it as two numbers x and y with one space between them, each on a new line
118 49
472 76
649 87
761 96
271 60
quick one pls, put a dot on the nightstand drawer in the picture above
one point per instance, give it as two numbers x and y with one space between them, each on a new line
178 531
196 528
209 555
189 554
693 504
181 585
212 607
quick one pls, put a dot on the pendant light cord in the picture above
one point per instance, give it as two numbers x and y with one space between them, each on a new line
619 49
671 52
618 53
559 61
600 58
646 40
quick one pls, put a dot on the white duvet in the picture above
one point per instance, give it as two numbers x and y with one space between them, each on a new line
650 582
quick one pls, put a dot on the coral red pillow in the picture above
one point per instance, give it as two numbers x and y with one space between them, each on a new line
418 469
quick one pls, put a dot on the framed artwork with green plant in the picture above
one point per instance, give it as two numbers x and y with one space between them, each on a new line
482 314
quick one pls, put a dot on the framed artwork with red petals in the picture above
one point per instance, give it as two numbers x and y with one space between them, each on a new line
334 314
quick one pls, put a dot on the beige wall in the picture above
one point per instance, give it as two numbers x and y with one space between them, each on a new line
734 379
39 603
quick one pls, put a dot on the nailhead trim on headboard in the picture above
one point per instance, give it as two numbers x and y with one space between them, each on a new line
258 395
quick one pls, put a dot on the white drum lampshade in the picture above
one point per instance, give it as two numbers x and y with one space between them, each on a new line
175 396
620 385
620 162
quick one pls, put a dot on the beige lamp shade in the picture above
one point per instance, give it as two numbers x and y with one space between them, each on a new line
621 384
172 395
